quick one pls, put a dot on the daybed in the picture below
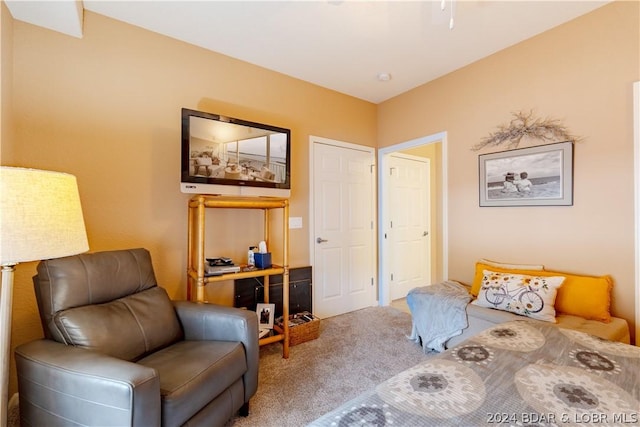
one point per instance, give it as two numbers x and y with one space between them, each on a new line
448 313
517 373
481 318
542 369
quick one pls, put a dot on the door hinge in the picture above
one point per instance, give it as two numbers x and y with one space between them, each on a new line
392 277
372 281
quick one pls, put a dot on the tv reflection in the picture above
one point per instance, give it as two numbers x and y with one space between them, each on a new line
257 159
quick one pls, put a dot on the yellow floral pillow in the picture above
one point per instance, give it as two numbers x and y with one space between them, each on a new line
531 296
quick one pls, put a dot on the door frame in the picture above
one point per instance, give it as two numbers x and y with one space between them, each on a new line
383 288
636 171
312 246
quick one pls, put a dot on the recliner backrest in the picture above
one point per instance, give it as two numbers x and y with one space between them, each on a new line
106 301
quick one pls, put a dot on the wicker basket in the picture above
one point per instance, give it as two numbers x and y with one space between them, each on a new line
301 333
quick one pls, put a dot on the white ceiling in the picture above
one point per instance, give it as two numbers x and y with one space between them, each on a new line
340 45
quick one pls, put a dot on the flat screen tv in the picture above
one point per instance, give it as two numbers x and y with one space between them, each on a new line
228 156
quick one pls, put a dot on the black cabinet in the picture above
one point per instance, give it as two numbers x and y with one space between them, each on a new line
249 292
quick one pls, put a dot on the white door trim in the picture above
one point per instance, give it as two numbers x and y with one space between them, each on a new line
312 246
383 289
636 168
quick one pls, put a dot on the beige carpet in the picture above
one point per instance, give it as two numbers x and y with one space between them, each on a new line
355 352
401 304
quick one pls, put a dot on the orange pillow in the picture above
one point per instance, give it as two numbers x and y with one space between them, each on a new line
586 296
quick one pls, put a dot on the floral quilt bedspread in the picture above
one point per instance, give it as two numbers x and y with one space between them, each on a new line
516 373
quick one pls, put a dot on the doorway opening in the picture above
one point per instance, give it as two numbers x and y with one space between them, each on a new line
436 145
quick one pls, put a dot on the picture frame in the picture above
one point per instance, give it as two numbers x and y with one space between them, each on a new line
548 176
266 314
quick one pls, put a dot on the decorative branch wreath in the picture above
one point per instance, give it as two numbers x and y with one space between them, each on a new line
526 126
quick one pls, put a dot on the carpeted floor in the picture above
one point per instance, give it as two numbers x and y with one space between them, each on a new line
355 352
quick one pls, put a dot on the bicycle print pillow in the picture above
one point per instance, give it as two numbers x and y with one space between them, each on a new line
531 296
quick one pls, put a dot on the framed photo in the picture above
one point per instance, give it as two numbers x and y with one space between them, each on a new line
266 314
535 176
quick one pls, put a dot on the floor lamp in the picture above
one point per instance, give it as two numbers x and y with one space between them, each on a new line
40 218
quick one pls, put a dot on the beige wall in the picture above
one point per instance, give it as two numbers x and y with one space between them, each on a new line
106 108
580 73
6 78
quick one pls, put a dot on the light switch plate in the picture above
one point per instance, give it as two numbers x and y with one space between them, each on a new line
295 222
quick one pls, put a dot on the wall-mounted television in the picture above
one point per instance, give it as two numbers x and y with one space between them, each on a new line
229 156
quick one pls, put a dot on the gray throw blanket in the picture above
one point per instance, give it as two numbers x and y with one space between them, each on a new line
438 312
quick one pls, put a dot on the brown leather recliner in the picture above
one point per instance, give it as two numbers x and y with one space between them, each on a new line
118 352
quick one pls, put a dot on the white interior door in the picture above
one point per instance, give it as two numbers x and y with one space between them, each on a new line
407 232
343 235
439 256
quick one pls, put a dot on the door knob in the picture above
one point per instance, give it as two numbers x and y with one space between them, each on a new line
425 233
320 240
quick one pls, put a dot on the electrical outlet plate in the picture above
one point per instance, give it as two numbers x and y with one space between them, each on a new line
295 222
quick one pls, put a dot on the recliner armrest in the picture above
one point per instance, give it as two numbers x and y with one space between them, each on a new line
201 321
212 322
60 384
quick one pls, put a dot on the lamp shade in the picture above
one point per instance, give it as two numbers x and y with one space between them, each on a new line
40 216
